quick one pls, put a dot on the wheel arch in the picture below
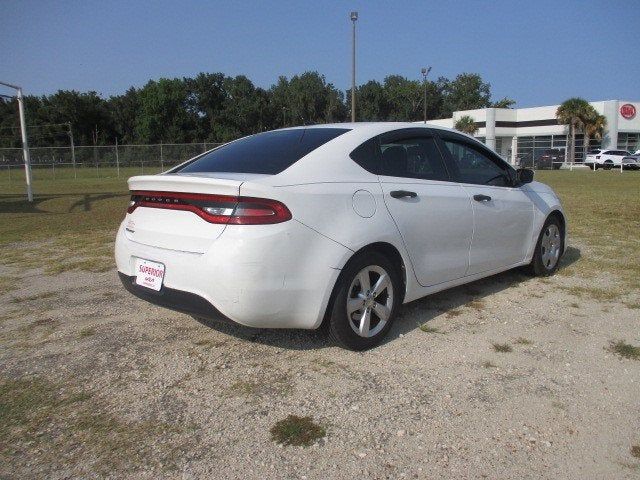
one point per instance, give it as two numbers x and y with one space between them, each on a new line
384 248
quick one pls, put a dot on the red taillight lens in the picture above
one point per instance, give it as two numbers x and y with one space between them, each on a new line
222 209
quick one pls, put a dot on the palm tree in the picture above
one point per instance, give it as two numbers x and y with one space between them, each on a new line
572 112
594 126
466 124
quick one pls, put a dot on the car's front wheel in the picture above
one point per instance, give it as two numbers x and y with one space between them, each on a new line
367 297
549 248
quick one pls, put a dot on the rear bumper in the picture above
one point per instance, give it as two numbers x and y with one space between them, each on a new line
271 276
177 300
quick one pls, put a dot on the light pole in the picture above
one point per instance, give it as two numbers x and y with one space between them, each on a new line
354 18
25 143
425 72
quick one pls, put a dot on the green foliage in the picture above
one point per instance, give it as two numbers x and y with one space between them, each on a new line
214 107
299 431
466 124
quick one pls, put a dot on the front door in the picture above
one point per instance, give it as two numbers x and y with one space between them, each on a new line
503 214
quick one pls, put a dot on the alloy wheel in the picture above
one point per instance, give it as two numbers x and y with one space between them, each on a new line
550 246
370 301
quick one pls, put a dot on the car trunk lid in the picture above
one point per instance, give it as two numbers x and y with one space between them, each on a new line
167 214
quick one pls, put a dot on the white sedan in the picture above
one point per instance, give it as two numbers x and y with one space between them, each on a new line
334 223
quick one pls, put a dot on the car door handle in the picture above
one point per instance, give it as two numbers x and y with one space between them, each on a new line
403 193
482 198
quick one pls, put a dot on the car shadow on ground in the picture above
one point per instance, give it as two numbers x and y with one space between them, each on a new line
411 316
17 203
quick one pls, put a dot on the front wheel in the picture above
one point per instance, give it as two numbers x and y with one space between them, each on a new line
367 297
549 248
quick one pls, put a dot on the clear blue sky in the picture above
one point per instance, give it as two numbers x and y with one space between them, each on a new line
537 52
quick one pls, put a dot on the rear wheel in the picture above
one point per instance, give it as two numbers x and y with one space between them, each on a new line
549 248
367 297
608 165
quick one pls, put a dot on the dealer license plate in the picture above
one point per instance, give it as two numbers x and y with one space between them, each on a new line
149 274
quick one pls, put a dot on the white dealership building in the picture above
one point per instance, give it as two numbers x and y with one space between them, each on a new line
525 133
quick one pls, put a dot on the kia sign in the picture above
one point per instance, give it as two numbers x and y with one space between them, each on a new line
628 111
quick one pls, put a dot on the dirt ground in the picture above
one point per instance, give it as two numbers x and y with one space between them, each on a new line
508 377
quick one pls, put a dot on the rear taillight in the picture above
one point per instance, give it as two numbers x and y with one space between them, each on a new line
222 209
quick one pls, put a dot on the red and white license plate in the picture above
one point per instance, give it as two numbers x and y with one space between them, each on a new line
149 274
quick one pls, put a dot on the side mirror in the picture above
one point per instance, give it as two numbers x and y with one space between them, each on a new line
525 175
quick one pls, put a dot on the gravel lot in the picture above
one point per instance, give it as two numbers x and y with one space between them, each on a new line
97 383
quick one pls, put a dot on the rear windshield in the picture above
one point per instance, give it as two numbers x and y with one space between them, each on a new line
269 152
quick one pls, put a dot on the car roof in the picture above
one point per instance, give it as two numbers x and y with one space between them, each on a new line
376 128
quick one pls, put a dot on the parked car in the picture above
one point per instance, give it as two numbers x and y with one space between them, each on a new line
632 162
337 223
551 159
606 159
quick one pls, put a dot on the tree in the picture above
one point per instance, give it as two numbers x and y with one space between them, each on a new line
504 103
372 100
466 124
466 92
594 125
573 112
124 111
306 99
163 113
404 98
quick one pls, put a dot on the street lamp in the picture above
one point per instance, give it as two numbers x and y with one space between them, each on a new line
25 143
354 18
425 72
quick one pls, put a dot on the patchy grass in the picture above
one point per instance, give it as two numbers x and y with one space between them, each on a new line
33 298
523 341
635 451
608 233
477 304
502 347
429 329
87 332
454 313
8 284
68 428
299 431
625 350
488 364
594 293
266 386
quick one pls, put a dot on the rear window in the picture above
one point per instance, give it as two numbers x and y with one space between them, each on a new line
269 152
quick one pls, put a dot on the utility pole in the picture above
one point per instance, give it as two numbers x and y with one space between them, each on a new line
354 18
25 143
73 150
425 72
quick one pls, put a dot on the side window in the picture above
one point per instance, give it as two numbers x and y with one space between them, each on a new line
476 167
416 157
367 156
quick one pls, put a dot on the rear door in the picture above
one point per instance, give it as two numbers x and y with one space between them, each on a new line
503 214
432 213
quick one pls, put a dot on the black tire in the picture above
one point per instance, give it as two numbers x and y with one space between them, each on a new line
556 166
537 267
595 166
340 322
608 165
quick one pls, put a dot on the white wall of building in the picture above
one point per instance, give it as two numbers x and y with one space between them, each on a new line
505 137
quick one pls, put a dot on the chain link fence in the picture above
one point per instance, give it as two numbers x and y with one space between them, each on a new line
102 161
